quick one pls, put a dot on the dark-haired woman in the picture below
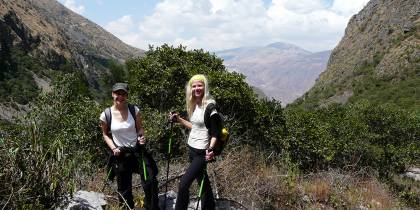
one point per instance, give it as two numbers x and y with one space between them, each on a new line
125 137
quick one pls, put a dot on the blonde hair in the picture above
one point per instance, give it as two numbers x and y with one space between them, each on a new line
190 100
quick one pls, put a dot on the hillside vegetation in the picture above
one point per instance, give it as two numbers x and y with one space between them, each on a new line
40 39
378 59
58 148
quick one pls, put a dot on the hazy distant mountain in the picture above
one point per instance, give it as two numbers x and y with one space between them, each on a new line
378 59
283 71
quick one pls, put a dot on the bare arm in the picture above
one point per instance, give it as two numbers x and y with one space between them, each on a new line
175 116
187 124
107 139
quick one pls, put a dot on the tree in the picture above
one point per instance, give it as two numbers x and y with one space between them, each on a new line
158 80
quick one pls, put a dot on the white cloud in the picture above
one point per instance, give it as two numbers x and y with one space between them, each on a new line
71 4
124 28
300 6
223 24
348 8
121 26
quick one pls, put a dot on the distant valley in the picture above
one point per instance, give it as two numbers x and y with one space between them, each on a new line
282 71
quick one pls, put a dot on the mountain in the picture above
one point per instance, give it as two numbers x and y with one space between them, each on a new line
40 37
378 59
282 71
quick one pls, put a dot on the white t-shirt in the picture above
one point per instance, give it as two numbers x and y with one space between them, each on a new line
123 132
199 136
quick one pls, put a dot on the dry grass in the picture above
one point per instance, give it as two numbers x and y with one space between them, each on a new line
338 190
246 177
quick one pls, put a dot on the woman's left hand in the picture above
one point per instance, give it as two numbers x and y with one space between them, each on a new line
209 155
141 139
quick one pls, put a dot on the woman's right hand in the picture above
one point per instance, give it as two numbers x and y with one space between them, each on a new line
116 151
173 117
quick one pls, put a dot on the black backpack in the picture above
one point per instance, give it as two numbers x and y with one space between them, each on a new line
222 131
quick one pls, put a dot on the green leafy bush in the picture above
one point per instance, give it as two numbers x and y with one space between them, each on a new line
157 81
359 135
45 154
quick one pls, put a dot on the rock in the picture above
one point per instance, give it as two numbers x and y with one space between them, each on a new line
414 170
306 199
84 200
221 204
360 207
408 27
170 200
413 173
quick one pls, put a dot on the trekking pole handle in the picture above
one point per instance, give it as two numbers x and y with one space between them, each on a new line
141 139
173 117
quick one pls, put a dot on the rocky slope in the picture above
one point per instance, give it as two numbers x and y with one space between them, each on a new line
40 36
282 71
61 31
378 58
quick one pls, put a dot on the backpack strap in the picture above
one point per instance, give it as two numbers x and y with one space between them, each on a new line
209 109
108 116
209 120
132 109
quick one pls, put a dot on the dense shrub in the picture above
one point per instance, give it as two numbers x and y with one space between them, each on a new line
43 155
383 137
157 83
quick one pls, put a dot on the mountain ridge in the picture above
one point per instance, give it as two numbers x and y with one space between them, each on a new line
42 37
283 71
378 58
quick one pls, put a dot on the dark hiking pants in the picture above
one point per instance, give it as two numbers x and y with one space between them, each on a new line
196 170
132 162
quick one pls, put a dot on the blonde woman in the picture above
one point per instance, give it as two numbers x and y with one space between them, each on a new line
200 142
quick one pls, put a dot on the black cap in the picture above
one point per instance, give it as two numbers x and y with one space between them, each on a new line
120 86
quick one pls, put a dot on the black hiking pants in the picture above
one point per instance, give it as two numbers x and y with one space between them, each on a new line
132 162
197 170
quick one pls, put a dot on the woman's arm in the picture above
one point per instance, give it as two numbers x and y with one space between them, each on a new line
184 122
187 124
107 139
214 132
213 140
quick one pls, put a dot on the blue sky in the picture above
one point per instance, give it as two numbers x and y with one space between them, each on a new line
214 25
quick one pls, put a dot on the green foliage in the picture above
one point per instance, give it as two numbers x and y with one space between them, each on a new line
117 73
401 89
364 134
60 137
157 82
270 121
44 154
80 83
16 81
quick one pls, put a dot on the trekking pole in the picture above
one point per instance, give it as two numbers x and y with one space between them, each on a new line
142 161
200 191
169 159
144 165
108 173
